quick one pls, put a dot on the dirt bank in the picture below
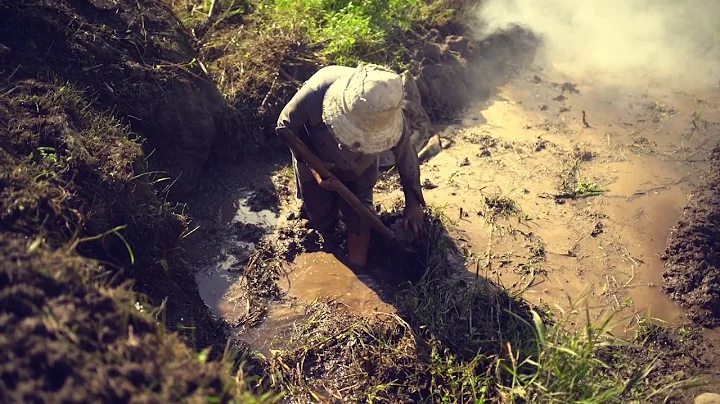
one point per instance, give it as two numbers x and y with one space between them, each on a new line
80 219
692 266
134 59
68 338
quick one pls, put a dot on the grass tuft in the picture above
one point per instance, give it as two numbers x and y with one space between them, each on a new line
588 189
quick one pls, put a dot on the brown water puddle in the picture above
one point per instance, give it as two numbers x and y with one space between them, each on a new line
271 333
315 277
321 276
311 278
607 247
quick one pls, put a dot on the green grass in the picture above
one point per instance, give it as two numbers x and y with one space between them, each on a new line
350 31
588 189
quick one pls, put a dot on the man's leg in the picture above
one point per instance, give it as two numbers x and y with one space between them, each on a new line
319 204
359 231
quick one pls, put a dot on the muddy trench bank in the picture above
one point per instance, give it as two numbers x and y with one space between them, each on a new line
99 303
92 279
73 61
692 267
136 60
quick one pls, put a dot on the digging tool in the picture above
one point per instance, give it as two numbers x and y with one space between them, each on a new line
304 154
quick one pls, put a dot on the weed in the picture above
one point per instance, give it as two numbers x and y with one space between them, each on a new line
499 205
451 180
588 189
524 218
348 31
537 250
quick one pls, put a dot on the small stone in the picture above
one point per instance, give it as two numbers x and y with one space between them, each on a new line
707 398
484 152
4 50
570 87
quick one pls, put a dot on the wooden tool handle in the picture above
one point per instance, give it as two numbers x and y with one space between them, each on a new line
301 151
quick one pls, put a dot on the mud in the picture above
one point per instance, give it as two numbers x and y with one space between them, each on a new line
502 180
676 355
692 257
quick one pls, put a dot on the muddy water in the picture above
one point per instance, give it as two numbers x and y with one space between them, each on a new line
218 277
311 278
271 332
220 248
321 276
644 153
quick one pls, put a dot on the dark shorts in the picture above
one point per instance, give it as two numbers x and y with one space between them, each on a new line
323 206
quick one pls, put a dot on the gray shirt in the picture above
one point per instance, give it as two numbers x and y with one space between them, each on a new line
303 116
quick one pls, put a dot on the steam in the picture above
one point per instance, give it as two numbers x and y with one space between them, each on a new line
630 42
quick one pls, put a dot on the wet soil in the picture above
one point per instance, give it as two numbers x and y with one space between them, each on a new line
509 182
691 275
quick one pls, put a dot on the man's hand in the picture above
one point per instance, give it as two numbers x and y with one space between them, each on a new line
328 184
414 217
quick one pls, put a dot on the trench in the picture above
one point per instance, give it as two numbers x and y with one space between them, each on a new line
607 248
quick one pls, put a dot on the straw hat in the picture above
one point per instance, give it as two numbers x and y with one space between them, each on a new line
363 110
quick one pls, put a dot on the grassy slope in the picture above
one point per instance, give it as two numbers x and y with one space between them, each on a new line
71 329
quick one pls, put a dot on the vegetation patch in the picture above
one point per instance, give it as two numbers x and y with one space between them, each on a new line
259 52
462 338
